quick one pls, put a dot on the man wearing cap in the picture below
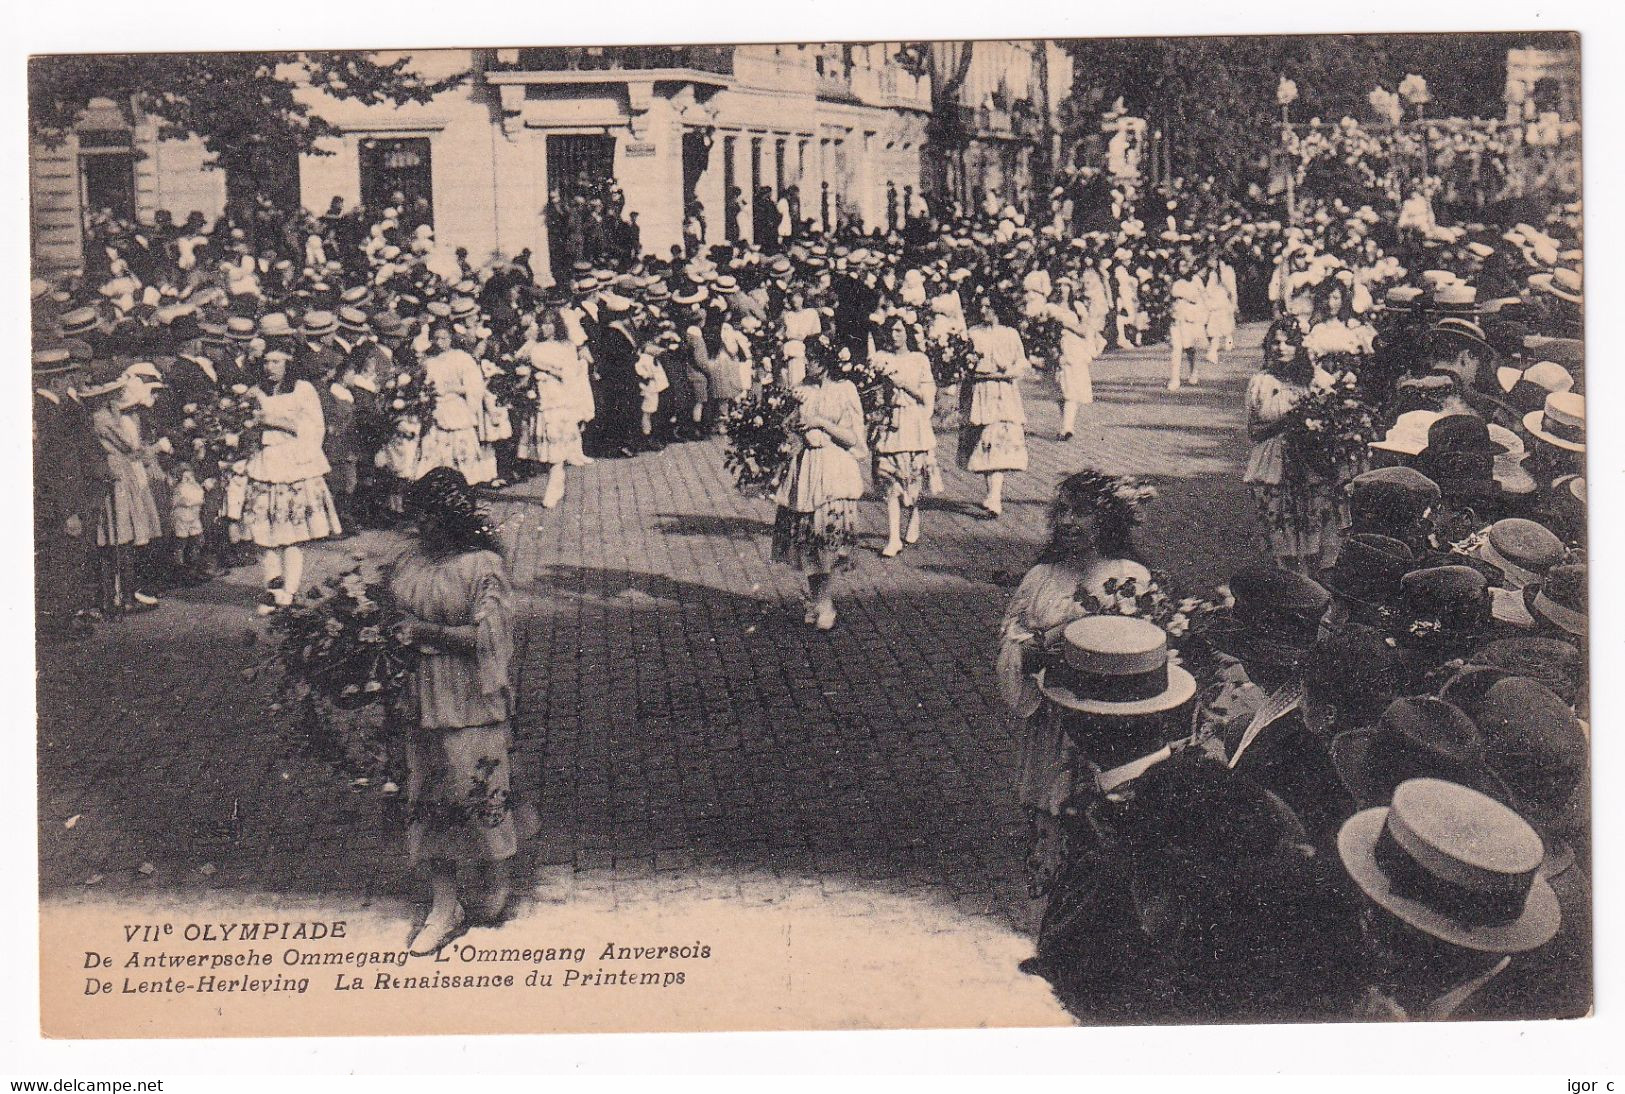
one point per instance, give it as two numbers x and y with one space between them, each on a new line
71 479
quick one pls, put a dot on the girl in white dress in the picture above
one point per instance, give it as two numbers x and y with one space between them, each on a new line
801 325
1219 293
905 447
1081 342
286 501
552 435
451 438
992 437
1187 338
817 520
1090 543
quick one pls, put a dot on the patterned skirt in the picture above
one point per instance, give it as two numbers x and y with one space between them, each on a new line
282 514
460 801
457 448
912 473
1001 446
1301 520
819 542
552 436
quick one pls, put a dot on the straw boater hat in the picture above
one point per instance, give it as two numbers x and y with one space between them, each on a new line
1408 436
240 329
318 323
1522 550
53 361
353 320
78 321
1455 864
696 296
1527 388
1562 422
1115 665
1560 600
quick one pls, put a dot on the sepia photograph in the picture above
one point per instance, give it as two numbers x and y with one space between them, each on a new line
810 535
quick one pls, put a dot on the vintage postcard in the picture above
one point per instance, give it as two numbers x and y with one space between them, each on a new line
821 535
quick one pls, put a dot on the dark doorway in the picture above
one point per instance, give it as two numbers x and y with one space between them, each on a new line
581 165
397 165
108 181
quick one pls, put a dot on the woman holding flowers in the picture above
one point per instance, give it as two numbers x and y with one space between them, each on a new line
1296 502
552 436
452 585
286 501
817 521
992 437
451 436
905 446
1091 524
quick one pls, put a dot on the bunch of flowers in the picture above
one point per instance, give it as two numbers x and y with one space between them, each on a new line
874 388
216 434
1329 429
407 398
759 439
340 642
513 382
345 666
1041 335
952 359
1184 619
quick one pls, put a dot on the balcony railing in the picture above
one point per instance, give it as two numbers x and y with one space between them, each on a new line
714 59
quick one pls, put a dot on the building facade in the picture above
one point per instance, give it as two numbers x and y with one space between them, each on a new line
843 124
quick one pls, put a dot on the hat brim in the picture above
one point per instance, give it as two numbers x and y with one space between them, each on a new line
1357 847
1530 593
1181 688
1531 423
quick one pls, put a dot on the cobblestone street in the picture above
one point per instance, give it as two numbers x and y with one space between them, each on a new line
684 736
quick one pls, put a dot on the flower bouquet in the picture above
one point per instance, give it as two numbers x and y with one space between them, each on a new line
952 359
408 400
217 433
1041 335
1185 620
1329 429
513 382
344 662
759 439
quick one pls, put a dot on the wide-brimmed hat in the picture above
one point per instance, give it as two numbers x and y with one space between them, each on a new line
1553 663
79 320
1460 457
275 325
388 325
317 323
1415 738
1560 600
1442 605
1561 422
1526 389
1275 618
241 329
1536 746
353 320
53 360
1454 298
1522 550
1408 436
695 296
1391 500
1455 864
1116 665
1369 569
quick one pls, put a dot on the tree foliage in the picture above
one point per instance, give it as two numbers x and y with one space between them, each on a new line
1214 98
243 106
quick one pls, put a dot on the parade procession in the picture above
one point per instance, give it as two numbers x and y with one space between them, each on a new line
480 484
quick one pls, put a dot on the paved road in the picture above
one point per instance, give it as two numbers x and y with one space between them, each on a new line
681 730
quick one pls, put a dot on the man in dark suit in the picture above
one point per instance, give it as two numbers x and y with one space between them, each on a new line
70 482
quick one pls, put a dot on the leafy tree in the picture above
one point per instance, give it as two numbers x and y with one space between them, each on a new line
1214 98
243 106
